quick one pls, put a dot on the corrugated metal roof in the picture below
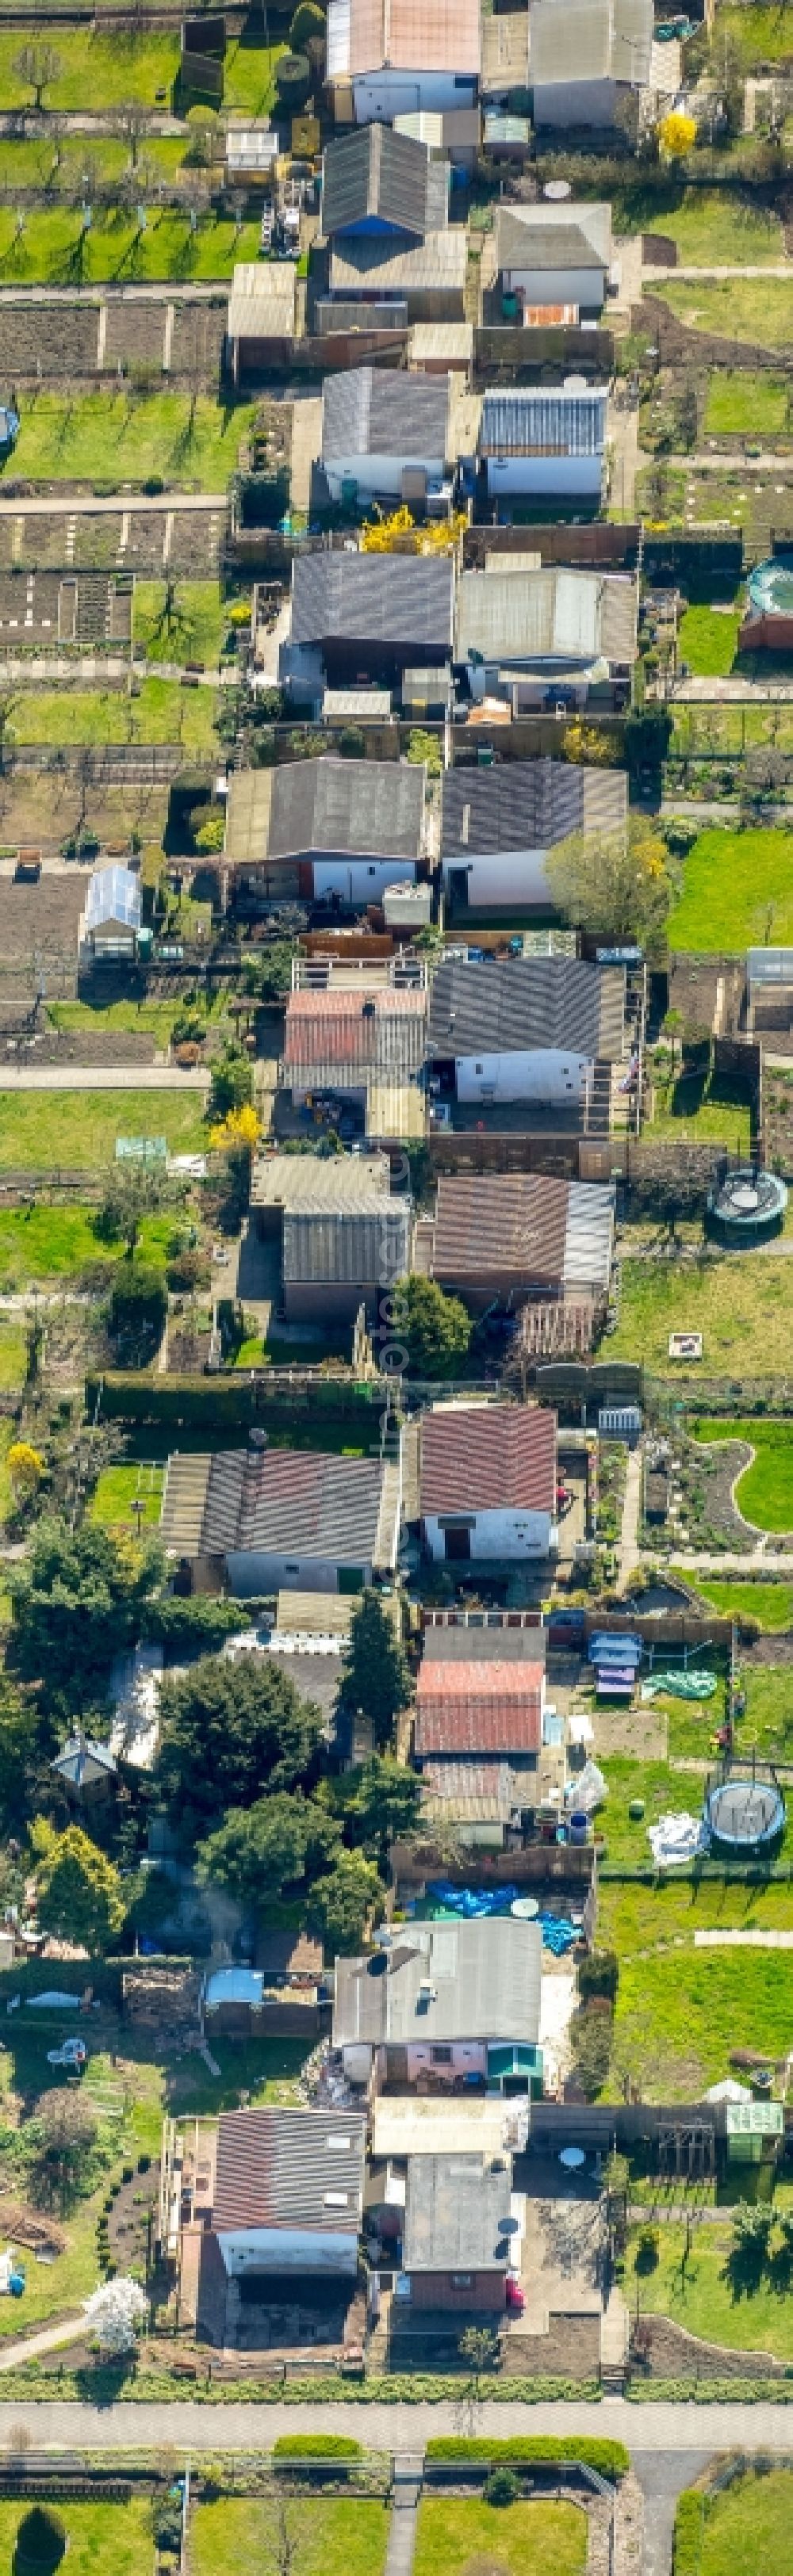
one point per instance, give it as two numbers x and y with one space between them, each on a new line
456 1792
453 2210
309 1184
528 805
505 52
483 1976
366 413
352 1249
543 424
488 1458
289 2169
501 1004
479 1708
283 1501
591 40
448 1641
540 236
439 261
550 615
402 35
399 600
374 172
263 300
589 1242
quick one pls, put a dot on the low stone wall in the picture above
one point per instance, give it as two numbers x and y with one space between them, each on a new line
668 2352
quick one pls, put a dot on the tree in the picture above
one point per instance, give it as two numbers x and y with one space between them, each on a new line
435 1329
40 2541
309 20
138 1300
479 2347
78 1891
78 1599
585 743
68 2126
134 1192
375 1677
341 1904
240 1127
229 1731
205 136
618 890
131 121
116 2311
25 1469
293 80
38 66
232 1083
260 1850
382 1802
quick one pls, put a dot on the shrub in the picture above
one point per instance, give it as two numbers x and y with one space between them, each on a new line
599 1975
610 2458
317 2446
40 2541
293 79
502 2487
689 2521
308 20
138 1301
647 2249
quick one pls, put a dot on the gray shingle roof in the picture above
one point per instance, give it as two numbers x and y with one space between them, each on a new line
399 600
537 236
314 1184
485 1985
363 1250
277 2168
453 2209
524 1002
438 262
369 413
528 804
543 424
370 807
374 172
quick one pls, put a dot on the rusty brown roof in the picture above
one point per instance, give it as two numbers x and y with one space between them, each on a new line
514 1224
488 1458
476 1708
289 2169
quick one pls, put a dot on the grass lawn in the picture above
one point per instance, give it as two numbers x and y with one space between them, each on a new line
732 882
525 2539
751 309
50 1243
13 1357
103 436
265 2069
719 729
708 641
771 1604
760 34
698 1111
633 1919
40 1130
755 406
156 1019
103 2539
740 1304
102 70
681 2013
53 248
704 2301
337 2536
768 1722
718 230
161 711
119 1488
765 1492
198 623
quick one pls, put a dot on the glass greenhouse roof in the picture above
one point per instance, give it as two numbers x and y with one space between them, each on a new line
114 894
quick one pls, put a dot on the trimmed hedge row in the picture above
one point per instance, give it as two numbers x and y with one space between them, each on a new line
689 2533
317 2446
610 2458
712 2392
30 2381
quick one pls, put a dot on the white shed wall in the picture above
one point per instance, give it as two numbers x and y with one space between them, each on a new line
502 877
563 474
502 1534
382 95
380 476
531 1073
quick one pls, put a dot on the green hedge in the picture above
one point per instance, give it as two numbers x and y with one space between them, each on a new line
218 1404
32 2382
317 2446
712 2392
689 2530
610 2458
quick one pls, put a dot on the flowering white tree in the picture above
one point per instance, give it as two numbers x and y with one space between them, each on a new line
115 2311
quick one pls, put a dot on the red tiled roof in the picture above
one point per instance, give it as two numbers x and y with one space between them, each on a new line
488 1458
479 1708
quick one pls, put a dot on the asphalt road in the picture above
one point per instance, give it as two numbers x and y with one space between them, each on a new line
686 2433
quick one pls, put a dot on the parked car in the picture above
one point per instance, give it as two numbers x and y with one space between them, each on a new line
516 2296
